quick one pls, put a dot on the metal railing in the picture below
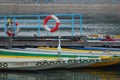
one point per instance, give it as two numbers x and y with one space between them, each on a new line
35 22
64 1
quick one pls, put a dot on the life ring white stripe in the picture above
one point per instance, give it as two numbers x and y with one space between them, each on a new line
54 17
46 27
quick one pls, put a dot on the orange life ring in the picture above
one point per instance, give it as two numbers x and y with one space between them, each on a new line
55 28
10 33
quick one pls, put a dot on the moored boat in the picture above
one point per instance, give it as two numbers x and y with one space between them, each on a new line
37 59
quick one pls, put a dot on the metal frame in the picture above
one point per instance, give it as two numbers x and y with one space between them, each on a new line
66 20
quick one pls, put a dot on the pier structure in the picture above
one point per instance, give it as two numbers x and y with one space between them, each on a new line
34 9
52 41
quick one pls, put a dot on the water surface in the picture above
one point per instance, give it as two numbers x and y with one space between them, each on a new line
71 74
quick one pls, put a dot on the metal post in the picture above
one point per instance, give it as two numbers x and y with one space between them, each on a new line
80 24
39 26
85 41
14 26
5 22
72 24
9 42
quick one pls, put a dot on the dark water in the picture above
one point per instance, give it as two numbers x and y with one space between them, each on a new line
74 74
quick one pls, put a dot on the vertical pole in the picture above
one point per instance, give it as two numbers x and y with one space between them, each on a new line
85 41
80 24
48 33
9 42
9 39
14 26
38 25
5 22
72 24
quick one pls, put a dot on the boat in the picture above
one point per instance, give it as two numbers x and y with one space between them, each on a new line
39 59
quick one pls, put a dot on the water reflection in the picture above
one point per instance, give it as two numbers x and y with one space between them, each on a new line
84 74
